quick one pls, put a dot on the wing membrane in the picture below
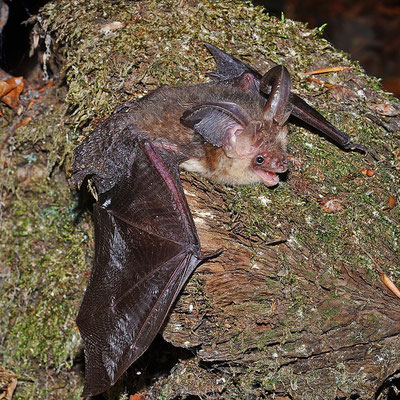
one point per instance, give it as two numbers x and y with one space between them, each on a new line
146 247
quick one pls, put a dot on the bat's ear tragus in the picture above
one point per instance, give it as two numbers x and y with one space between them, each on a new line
282 121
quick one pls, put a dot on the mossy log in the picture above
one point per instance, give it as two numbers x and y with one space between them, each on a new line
294 307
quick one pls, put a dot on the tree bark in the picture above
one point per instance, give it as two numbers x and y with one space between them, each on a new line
294 307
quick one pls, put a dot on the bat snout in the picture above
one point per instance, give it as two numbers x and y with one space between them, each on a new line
279 165
269 168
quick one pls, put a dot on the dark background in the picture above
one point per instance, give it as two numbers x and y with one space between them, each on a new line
367 29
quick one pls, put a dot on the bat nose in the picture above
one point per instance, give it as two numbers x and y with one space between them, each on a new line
279 165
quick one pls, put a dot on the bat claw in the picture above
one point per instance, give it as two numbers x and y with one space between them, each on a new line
212 254
354 146
359 147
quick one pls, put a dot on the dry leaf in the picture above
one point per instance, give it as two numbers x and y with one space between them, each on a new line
11 98
392 202
8 383
318 81
342 93
390 285
137 396
6 87
331 205
328 69
24 122
368 172
385 109
46 86
112 26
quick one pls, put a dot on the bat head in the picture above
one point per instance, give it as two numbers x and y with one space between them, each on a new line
268 152
246 150
258 151
268 155
262 142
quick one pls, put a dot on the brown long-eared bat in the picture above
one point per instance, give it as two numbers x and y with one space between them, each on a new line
233 131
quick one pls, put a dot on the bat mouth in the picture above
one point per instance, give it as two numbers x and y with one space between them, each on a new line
269 178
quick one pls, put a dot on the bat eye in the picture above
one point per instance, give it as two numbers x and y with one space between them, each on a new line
259 160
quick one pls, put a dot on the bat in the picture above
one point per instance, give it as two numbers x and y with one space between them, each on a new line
233 131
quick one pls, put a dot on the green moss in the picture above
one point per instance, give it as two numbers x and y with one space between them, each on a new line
330 312
266 338
46 255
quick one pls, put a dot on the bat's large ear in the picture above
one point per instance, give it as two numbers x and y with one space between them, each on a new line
277 108
228 67
216 122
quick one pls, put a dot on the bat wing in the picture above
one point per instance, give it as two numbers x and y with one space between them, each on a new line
228 66
312 117
146 247
106 154
230 69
